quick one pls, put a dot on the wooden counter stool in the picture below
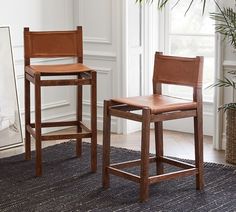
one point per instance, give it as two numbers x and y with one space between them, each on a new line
55 44
158 108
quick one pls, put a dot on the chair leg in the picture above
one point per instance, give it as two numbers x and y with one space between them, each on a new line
38 126
94 122
144 172
198 137
79 119
106 144
27 119
159 146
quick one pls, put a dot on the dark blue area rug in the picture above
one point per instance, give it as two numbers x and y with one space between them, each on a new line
68 185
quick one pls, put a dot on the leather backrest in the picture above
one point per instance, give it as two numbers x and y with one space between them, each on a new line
178 70
46 44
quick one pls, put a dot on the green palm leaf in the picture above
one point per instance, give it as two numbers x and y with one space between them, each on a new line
225 23
226 82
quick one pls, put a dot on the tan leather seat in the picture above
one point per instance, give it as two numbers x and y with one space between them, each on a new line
57 69
158 103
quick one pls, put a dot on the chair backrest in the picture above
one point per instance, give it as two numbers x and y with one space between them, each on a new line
46 44
177 70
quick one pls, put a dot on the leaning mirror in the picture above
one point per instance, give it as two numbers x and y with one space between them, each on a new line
10 127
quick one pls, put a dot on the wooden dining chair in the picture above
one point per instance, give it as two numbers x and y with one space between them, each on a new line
158 108
56 44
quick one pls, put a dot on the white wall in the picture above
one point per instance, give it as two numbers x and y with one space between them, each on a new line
101 21
39 15
106 25
102 25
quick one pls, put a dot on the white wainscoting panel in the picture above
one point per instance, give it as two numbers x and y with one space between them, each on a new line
102 46
96 19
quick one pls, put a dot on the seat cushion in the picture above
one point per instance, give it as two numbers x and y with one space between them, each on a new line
158 103
57 69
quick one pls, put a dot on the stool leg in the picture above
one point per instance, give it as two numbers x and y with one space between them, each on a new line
27 119
79 119
38 126
198 138
144 175
94 122
159 146
106 144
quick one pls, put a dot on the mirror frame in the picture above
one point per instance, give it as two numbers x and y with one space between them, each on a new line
21 142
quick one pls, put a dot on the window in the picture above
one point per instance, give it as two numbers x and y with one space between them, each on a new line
190 35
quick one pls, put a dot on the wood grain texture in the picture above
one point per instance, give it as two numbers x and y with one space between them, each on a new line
144 171
38 130
106 144
93 110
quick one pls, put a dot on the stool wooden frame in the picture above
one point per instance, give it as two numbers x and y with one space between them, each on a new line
167 69
55 44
